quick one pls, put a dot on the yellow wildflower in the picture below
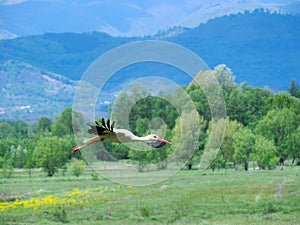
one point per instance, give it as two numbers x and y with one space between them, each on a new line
75 192
88 191
73 201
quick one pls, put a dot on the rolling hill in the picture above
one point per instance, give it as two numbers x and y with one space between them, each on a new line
28 93
229 7
261 48
68 54
122 18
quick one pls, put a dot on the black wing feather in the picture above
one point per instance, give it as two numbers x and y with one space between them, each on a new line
101 129
103 123
112 126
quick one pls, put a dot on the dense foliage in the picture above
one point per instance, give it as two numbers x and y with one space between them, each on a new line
261 127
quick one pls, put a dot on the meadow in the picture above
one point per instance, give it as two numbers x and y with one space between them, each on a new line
189 197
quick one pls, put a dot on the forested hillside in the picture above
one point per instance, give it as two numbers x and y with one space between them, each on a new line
28 93
261 48
68 54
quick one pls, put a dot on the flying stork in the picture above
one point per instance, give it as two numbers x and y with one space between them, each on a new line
107 133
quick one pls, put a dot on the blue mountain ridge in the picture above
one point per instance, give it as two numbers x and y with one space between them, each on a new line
261 48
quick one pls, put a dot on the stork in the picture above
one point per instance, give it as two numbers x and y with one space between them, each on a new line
107 133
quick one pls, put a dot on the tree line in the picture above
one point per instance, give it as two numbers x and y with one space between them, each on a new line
261 127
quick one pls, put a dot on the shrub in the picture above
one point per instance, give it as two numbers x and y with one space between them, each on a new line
76 167
7 170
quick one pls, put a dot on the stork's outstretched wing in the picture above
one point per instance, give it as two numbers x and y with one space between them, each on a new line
105 128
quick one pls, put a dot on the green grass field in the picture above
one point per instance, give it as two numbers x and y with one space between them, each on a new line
189 197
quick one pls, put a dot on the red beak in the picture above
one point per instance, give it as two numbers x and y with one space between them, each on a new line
164 141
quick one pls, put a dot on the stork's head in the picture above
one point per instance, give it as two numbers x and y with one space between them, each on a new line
154 137
156 141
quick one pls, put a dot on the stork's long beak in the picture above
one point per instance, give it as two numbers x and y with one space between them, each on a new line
164 141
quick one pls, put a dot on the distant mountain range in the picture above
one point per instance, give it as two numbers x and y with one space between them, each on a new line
122 18
261 48
219 9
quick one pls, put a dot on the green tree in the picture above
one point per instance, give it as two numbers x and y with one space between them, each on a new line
63 125
51 153
16 128
185 134
211 156
15 150
29 164
200 101
247 104
133 103
66 119
294 89
197 154
265 153
5 145
243 144
6 160
68 122
276 126
21 129
227 149
6 130
122 104
18 154
224 76
162 108
292 144
203 101
283 100
44 125
159 156
142 129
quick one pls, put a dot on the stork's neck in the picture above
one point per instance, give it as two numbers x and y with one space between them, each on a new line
145 138
124 135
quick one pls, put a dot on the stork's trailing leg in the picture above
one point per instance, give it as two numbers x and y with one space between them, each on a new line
89 142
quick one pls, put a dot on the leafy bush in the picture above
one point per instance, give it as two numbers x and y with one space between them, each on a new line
7 171
76 167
